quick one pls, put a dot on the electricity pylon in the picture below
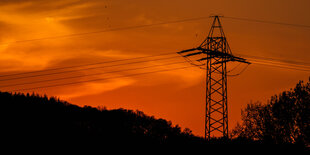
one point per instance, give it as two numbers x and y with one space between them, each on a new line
214 51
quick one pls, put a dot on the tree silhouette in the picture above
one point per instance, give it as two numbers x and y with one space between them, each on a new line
285 119
34 118
39 118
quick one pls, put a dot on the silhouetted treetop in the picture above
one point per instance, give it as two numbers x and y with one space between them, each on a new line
285 119
30 116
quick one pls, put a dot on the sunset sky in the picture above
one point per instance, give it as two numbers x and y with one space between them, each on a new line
29 42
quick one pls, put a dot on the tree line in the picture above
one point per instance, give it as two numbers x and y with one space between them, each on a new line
285 119
31 117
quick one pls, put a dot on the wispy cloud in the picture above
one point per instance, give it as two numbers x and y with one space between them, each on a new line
93 88
27 20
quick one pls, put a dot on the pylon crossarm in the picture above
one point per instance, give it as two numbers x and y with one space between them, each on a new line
207 58
235 58
202 59
224 61
214 52
188 50
242 60
192 54
219 55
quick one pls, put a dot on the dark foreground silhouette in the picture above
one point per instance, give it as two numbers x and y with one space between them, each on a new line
285 119
32 117
38 119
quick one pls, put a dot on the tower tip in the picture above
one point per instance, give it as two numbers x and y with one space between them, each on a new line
215 15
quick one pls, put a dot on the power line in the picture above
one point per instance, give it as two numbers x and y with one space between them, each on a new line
150 25
298 64
90 64
275 62
107 30
82 69
243 70
234 67
276 59
267 22
280 66
65 78
281 63
97 67
99 79
87 75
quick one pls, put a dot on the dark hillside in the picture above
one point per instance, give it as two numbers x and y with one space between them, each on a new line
33 117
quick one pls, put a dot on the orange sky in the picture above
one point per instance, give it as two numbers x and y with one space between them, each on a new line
176 95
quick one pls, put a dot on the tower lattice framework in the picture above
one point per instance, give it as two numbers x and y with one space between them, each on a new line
215 53
216 81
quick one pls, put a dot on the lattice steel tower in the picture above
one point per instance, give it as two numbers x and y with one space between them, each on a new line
216 53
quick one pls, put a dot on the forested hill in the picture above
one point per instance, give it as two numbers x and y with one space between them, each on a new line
33 117
28 119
